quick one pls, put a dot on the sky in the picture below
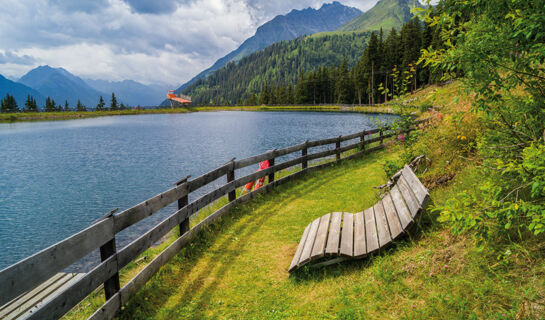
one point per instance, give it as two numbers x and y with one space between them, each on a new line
166 41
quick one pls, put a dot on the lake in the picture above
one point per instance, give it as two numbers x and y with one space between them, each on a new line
57 177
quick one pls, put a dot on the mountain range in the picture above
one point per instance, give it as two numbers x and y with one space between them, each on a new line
286 27
19 91
281 63
342 29
386 14
130 92
61 86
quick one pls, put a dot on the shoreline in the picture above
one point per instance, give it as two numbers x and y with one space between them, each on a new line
72 115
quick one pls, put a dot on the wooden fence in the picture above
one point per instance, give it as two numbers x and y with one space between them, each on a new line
34 270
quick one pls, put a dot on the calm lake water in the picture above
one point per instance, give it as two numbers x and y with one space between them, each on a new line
56 178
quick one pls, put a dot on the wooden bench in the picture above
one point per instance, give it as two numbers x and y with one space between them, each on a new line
351 236
23 306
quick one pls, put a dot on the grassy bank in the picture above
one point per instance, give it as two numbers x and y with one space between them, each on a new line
238 268
48 116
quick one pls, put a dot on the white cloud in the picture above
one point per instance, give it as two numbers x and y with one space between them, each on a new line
131 39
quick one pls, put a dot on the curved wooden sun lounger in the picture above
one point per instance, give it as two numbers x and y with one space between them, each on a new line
353 236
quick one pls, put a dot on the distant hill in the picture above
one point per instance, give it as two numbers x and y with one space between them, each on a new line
19 91
278 64
286 27
386 14
281 63
61 85
130 92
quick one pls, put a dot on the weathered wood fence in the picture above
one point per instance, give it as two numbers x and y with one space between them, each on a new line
36 269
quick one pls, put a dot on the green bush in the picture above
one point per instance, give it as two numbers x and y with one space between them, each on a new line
500 50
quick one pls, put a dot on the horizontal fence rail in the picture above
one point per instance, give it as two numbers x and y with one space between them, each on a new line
36 269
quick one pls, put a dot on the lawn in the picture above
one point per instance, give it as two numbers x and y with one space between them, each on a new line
238 268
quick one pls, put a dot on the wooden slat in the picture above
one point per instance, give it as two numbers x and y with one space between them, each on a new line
401 207
418 188
382 225
391 215
332 247
147 208
32 271
146 240
370 230
408 196
321 154
38 296
72 295
60 286
17 302
297 255
318 250
253 160
209 177
288 150
347 238
360 246
307 250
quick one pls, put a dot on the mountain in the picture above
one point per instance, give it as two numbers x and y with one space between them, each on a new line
281 63
19 91
386 14
61 85
286 27
278 64
130 92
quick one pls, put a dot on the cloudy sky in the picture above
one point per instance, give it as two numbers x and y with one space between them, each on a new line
165 41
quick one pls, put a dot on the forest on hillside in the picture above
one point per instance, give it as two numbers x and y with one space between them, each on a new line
336 68
276 65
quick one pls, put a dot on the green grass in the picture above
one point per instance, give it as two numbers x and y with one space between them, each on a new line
48 116
238 267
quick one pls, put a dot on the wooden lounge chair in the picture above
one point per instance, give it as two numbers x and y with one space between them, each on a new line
23 306
339 236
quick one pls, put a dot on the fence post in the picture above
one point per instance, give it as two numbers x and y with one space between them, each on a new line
231 177
337 147
362 140
381 136
304 154
271 164
111 286
182 202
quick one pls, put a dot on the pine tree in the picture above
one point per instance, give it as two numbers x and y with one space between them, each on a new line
30 104
8 104
100 105
50 105
343 85
66 107
252 100
80 107
290 98
265 96
113 104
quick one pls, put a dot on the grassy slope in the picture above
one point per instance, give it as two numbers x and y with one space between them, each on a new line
241 272
238 267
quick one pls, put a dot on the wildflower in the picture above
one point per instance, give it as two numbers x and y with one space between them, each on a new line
516 206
